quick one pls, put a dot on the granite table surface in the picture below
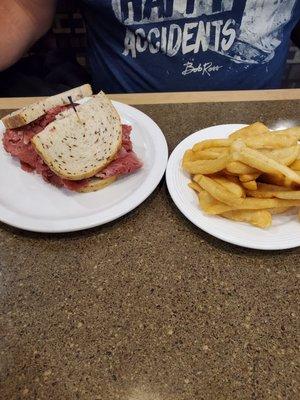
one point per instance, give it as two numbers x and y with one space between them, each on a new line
149 307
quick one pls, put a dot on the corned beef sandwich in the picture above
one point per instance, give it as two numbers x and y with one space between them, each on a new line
82 151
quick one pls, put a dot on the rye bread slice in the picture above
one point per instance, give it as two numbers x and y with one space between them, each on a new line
79 148
32 112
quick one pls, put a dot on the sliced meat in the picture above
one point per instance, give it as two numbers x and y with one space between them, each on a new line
126 141
27 132
125 165
48 175
122 153
17 141
14 144
74 185
26 167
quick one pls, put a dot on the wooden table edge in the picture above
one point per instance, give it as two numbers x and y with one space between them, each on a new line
178 97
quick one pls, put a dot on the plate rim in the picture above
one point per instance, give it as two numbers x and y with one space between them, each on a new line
185 211
158 174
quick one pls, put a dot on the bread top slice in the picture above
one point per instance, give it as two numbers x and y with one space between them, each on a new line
33 111
77 149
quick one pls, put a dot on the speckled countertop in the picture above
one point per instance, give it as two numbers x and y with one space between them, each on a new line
150 307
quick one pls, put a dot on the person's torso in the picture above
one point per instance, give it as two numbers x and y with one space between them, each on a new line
178 45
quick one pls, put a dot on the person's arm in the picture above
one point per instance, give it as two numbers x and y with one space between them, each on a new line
22 23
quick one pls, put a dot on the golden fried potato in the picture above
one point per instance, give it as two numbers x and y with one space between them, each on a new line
251 203
230 184
269 141
205 166
265 191
258 218
254 158
270 188
295 165
248 177
257 128
206 200
195 186
278 210
238 168
218 191
294 131
273 179
211 153
286 155
207 144
289 195
250 185
188 156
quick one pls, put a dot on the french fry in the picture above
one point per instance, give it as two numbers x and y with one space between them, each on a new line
270 188
289 195
286 155
278 179
257 128
205 166
273 179
298 157
248 177
264 191
206 144
256 159
238 168
211 153
228 174
258 218
265 194
250 203
205 199
195 186
250 185
218 191
294 131
289 182
295 165
230 185
269 141
278 210
188 156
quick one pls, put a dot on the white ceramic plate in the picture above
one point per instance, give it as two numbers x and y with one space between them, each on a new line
283 234
27 202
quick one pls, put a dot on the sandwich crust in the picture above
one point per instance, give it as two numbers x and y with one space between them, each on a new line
30 113
96 184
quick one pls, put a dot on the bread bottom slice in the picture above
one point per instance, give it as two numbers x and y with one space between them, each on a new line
97 184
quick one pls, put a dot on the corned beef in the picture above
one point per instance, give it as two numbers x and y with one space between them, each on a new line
126 160
122 165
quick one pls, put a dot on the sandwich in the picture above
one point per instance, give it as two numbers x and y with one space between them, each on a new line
80 147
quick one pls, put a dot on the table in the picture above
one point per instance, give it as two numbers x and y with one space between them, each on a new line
149 307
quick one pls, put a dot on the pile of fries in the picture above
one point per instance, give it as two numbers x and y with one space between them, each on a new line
249 176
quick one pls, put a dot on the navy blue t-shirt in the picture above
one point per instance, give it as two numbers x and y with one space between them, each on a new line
183 45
